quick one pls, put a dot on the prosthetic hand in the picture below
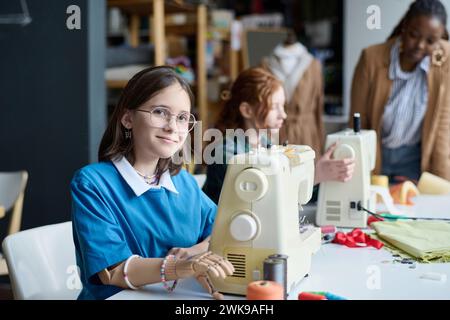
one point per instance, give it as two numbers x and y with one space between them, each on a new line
201 267
205 263
206 283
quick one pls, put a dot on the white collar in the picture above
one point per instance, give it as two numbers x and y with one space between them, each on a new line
136 183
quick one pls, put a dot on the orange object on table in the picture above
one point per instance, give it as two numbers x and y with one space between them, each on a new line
403 192
265 290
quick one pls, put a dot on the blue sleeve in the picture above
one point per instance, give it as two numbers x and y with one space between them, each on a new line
209 210
101 242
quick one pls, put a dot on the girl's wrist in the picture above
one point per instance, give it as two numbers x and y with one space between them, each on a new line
168 272
168 268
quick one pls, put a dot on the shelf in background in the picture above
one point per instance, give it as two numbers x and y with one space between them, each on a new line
144 7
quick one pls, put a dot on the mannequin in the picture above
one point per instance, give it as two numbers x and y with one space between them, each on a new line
301 75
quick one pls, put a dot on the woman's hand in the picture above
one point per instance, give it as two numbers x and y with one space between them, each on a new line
328 169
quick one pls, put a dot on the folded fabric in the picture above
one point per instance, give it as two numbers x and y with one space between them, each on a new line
428 241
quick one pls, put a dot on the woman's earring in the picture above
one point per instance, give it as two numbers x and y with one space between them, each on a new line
127 134
437 57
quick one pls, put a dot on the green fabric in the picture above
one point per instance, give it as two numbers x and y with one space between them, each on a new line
396 251
427 241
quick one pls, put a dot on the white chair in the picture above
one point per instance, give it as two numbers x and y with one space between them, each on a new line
42 264
12 191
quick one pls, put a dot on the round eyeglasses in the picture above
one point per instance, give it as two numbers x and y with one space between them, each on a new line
160 117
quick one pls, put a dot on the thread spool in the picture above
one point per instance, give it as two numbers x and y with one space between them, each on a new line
275 270
264 290
284 259
357 123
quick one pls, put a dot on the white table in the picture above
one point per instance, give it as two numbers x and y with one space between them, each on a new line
362 273
187 289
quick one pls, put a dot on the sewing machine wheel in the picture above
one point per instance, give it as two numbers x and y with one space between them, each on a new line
344 151
244 227
251 185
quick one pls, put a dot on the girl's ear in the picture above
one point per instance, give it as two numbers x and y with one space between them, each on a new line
127 120
246 110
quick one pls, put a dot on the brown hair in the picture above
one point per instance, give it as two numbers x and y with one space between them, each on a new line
254 86
142 87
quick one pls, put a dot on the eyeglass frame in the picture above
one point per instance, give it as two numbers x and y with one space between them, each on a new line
172 115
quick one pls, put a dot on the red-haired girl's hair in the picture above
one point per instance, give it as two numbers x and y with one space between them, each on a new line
254 86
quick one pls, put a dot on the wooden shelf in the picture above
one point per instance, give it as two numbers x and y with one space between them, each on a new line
156 10
182 30
145 8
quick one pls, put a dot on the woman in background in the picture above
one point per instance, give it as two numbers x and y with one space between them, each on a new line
401 88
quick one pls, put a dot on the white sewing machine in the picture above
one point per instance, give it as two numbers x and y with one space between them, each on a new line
258 215
338 202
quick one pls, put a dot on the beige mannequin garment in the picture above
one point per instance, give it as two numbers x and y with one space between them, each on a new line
305 95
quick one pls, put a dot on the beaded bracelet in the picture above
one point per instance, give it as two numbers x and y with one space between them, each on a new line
125 272
163 274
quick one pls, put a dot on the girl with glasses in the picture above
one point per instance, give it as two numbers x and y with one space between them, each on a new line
131 224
